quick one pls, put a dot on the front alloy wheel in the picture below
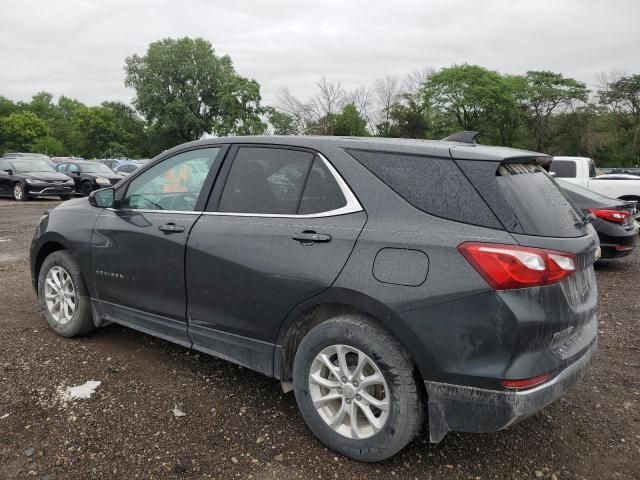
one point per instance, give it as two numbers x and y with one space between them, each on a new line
18 192
63 295
60 295
349 392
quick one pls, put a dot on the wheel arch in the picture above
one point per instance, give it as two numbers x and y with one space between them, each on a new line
329 304
46 248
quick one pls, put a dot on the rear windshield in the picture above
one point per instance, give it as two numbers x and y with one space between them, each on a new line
537 203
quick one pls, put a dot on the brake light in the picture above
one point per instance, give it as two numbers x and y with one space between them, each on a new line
616 216
506 267
526 383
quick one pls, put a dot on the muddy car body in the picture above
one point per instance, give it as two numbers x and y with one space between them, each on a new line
379 279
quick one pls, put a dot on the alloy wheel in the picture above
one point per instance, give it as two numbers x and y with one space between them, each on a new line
60 295
349 391
18 191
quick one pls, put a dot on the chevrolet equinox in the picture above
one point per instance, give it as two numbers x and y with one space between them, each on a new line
386 282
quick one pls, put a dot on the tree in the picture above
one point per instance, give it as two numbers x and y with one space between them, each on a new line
7 107
20 131
387 92
185 90
349 122
476 98
621 98
282 123
545 94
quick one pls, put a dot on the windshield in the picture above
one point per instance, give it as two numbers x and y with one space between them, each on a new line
95 168
30 166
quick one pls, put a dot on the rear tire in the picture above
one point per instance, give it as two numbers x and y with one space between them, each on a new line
388 412
66 197
19 193
63 295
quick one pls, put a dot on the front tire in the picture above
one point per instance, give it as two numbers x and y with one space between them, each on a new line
63 295
64 198
356 389
86 188
19 193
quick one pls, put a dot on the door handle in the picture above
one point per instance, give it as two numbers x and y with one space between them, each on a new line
311 237
171 228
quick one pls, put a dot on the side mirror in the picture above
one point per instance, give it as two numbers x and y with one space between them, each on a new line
9 171
103 198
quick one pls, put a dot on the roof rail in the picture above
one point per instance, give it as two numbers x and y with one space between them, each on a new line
467 136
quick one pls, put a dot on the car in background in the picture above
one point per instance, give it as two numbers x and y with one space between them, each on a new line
623 170
89 176
23 177
126 168
58 160
614 220
582 171
39 156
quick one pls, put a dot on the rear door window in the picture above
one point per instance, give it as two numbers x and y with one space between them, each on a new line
266 180
563 168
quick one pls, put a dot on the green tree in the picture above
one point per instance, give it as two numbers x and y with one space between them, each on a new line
544 95
281 122
7 107
185 90
477 98
621 102
409 118
349 122
20 131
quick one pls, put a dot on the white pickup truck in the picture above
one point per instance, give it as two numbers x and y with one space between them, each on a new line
582 171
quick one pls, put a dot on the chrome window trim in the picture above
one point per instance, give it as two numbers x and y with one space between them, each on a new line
352 206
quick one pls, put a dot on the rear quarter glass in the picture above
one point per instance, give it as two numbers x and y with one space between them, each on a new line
434 185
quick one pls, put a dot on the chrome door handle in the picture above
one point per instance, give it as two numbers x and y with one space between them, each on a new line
171 228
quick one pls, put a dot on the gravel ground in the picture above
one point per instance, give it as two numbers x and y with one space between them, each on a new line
239 424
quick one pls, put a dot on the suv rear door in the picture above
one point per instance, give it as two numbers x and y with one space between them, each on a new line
279 227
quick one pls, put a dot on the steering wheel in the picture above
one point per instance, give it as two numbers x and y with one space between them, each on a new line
183 201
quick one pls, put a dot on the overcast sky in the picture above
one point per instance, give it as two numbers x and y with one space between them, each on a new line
77 48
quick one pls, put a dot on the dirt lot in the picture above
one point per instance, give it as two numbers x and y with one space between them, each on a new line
239 424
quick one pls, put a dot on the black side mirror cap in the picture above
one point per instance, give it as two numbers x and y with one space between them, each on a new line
103 198
9 171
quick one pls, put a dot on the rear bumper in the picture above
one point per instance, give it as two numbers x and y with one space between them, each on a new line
469 409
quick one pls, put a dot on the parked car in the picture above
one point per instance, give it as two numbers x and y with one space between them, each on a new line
126 168
89 176
57 160
390 275
614 220
623 170
582 171
113 163
23 177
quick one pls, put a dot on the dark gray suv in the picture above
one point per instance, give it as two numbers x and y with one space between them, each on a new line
384 281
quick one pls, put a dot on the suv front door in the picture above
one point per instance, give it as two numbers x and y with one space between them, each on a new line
137 248
277 231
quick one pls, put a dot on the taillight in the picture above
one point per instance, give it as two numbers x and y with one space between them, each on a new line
526 383
510 266
616 216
